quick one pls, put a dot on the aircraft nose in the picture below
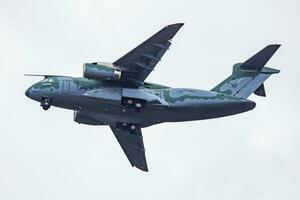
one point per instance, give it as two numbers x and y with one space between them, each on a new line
27 92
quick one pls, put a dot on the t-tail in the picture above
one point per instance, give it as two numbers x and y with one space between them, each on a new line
248 77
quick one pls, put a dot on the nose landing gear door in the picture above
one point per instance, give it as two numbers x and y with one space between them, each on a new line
66 87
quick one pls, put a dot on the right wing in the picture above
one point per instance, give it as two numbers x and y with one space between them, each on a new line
132 144
137 64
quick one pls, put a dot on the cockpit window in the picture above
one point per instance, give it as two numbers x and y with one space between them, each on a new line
47 80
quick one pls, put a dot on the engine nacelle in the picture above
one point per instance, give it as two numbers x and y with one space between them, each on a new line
83 118
101 71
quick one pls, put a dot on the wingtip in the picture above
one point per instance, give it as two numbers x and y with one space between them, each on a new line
274 45
143 168
180 24
176 25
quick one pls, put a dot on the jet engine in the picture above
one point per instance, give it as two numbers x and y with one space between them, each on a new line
101 71
85 118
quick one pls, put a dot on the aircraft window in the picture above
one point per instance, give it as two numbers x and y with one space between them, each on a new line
45 80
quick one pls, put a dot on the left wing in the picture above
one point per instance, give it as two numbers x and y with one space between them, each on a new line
131 141
137 64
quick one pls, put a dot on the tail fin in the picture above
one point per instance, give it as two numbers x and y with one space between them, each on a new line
248 77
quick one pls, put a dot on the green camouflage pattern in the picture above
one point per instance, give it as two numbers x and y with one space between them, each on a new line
242 83
116 94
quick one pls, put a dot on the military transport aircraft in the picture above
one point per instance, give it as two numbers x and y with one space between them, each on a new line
116 94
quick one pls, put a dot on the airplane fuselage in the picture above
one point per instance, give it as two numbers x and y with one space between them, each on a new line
116 94
107 102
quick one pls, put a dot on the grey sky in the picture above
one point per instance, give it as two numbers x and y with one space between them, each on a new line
45 155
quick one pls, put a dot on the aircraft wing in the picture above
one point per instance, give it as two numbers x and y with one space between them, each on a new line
132 144
137 64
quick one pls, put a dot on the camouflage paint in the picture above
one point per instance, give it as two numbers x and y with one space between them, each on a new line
86 84
174 95
242 83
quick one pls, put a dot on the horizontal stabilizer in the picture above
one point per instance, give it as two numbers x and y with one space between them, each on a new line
259 60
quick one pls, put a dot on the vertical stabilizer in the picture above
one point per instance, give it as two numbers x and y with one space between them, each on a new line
248 77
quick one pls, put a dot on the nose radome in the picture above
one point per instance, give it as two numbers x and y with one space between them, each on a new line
27 92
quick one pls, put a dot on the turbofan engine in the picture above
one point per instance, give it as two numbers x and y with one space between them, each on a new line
101 71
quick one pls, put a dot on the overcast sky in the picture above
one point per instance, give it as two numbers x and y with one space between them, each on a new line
254 155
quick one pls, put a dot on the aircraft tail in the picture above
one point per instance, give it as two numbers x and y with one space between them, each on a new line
248 77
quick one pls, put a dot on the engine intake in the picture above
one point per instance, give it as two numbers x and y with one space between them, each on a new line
101 71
